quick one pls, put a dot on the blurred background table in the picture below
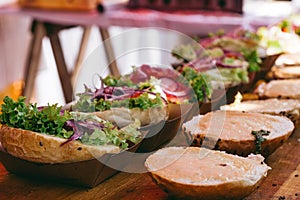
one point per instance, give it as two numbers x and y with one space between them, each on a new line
191 22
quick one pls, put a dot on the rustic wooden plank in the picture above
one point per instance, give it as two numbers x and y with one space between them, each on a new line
291 187
284 162
124 186
282 180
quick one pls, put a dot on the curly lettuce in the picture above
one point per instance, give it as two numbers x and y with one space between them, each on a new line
53 120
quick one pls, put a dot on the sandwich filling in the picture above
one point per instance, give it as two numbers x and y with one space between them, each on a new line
53 120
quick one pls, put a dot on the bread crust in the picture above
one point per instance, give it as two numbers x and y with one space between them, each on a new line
43 148
198 185
282 89
234 135
290 72
288 59
289 108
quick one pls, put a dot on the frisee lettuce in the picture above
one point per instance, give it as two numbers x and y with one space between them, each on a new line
117 81
143 101
186 52
109 134
199 82
49 119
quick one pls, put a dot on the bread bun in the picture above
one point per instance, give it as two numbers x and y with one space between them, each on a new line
231 131
123 116
43 148
288 59
199 173
285 89
286 72
285 107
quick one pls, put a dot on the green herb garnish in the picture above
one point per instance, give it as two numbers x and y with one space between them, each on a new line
259 139
253 59
143 101
118 81
199 82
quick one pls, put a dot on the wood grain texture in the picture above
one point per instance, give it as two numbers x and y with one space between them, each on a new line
282 181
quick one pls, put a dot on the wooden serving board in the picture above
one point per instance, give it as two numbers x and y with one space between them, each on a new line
282 182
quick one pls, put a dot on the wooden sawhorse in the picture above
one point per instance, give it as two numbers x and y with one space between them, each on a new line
42 29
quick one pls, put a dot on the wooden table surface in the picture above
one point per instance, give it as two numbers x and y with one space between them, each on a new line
282 182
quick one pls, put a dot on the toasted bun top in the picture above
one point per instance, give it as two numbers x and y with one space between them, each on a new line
199 166
280 89
269 106
288 59
237 126
286 72
43 148
199 173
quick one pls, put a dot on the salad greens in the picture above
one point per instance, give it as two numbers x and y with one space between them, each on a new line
101 132
109 97
199 82
253 59
48 120
53 120
118 81
243 43
185 52
233 76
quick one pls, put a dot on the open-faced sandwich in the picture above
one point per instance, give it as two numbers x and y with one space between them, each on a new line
226 61
173 93
286 107
199 173
219 68
239 133
123 104
176 90
52 135
168 82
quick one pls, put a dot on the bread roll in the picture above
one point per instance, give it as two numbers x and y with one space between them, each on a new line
43 148
288 59
199 173
285 89
291 72
231 131
285 107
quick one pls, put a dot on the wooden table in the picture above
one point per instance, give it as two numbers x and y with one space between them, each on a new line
283 181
